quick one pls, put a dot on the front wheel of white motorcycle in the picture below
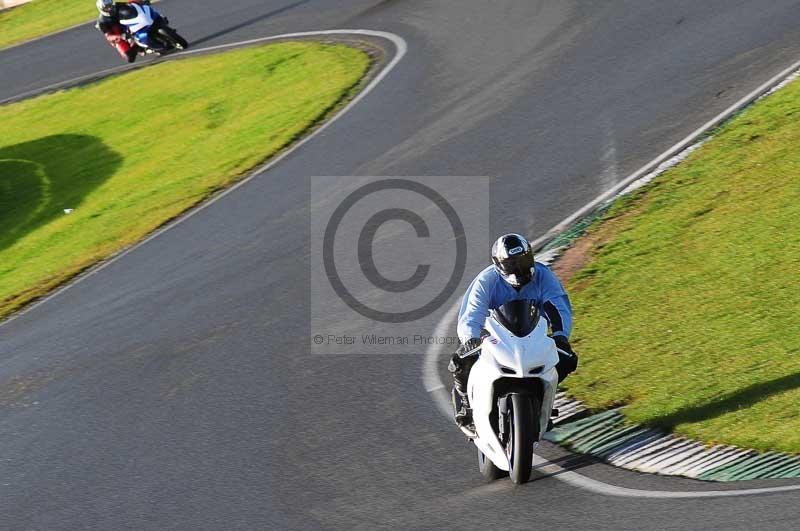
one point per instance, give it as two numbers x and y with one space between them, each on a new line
488 470
522 436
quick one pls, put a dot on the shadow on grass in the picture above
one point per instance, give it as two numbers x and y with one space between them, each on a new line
41 178
741 399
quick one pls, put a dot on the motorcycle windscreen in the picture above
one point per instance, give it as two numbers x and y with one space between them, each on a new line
518 317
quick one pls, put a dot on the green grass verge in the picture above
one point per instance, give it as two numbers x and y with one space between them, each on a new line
687 311
133 151
41 17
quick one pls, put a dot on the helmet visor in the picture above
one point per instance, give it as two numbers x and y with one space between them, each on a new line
516 270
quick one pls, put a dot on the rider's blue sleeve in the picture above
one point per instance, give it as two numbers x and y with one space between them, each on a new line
475 307
555 302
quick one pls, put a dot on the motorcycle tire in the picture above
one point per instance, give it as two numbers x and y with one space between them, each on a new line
171 37
488 469
524 432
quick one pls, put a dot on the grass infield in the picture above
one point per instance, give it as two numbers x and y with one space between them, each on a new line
687 301
41 17
125 155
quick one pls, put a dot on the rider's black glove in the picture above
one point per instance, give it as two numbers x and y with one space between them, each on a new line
567 359
458 360
471 344
563 343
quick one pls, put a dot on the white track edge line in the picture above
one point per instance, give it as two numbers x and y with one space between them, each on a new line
599 487
669 152
400 50
438 391
72 82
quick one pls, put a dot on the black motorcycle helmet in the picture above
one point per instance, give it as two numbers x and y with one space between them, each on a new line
512 257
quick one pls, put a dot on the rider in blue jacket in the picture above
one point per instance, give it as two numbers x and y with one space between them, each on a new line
513 275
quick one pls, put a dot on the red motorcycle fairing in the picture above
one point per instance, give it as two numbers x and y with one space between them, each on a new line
116 39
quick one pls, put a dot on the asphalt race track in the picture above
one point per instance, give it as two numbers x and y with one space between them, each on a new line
174 388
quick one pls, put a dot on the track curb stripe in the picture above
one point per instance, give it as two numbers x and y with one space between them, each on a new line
607 436
669 457
717 463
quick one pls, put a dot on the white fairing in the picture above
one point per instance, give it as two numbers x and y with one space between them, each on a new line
502 349
144 18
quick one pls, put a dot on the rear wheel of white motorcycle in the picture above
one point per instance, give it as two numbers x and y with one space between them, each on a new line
488 470
522 434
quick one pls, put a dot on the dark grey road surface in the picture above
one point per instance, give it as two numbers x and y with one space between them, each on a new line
174 389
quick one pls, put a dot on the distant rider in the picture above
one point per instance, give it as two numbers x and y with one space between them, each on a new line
116 20
513 275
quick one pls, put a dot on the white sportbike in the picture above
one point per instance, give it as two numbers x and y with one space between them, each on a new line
511 389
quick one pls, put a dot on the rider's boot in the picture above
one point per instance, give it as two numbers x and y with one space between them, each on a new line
462 413
460 368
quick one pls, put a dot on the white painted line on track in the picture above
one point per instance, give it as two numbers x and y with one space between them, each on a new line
439 392
430 372
62 30
400 50
400 46
674 150
599 487
430 375
75 81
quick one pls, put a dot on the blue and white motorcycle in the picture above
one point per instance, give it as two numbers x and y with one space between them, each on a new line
149 30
